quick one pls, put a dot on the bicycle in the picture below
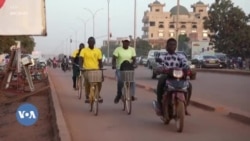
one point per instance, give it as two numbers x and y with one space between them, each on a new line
128 78
79 84
94 76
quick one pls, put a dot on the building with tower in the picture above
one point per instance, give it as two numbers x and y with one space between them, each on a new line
159 25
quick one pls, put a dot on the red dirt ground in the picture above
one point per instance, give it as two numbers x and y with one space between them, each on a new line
44 129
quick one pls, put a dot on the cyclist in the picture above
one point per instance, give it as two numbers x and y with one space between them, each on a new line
90 58
75 60
120 55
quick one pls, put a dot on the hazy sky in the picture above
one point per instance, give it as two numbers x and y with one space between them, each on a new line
65 18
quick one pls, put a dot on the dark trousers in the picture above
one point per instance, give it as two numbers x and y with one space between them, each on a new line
76 72
160 90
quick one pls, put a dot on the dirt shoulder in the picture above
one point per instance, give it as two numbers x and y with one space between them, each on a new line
45 129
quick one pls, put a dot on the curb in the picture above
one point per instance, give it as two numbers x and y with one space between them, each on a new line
223 71
205 105
63 131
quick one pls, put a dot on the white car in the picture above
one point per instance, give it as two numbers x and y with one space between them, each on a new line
42 60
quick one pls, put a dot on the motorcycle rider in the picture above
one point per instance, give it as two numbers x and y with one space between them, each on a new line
54 62
65 62
170 60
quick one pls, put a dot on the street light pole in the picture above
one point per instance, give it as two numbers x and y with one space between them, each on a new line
85 30
76 38
70 41
135 24
93 16
85 23
177 24
108 31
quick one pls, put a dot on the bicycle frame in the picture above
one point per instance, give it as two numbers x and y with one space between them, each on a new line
80 84
94 77
127 77
127 89
94 93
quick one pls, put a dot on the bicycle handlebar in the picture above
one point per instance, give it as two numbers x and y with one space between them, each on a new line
82 69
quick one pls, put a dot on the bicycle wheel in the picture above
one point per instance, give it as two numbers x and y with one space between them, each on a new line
128 99
124 97
79 85
96 100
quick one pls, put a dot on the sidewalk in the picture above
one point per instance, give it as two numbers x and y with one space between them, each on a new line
225 71
64 133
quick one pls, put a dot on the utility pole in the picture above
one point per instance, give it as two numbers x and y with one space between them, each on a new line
177 24
135 24
108 32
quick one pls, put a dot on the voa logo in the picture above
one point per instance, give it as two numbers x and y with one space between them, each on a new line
27 114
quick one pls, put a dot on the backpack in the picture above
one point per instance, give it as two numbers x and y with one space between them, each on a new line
126 65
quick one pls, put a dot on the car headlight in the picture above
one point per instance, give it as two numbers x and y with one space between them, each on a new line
192 66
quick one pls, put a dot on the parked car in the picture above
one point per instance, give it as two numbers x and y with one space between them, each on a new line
156 66
151 57
144 60
206 61
223 59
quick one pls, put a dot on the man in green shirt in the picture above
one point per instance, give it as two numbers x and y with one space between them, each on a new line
121 54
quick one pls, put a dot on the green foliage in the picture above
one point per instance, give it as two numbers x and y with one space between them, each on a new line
157 47
228 25
142 47
27 43
112 47
183 44
5 43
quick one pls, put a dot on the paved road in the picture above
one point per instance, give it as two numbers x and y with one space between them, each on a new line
112 124
232 91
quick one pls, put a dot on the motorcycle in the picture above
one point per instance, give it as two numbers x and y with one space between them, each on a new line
64 67
174 98
70 65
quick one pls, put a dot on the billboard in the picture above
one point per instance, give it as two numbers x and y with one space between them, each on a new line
22 17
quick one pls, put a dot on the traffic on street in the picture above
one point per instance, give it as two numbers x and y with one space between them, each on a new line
143 124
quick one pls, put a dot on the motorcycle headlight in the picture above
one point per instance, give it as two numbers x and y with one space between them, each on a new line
178 73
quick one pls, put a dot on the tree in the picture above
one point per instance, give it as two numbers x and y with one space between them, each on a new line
183 44
5 44
228 27
142 47
157 47
27 43
112 47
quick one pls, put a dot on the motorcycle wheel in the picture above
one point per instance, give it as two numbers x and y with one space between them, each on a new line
166 118
180 113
